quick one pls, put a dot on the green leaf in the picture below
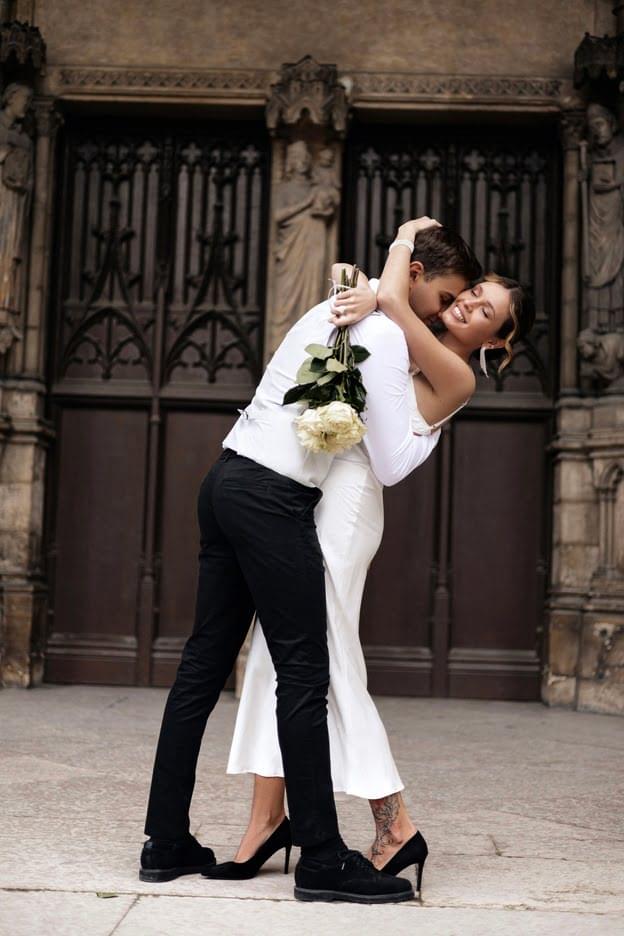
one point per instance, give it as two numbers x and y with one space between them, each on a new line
319 351
305 374
295 394
316 365
325 379
337 367
359 353
105 894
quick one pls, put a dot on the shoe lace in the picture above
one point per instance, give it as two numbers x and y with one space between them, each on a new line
356 861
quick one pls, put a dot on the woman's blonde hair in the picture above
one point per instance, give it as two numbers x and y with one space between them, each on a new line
521 315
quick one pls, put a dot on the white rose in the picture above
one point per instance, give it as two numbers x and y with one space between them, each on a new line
331 428
310 430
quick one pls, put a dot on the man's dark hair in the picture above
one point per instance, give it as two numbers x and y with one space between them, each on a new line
442 251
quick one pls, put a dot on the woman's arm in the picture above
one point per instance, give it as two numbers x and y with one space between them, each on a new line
451 379
351 305
336 274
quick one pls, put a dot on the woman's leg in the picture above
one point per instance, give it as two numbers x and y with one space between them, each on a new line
393 827
267 812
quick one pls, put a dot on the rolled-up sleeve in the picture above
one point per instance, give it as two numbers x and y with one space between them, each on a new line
393 449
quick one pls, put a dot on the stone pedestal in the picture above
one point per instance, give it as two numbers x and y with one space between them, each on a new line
24 438
23 590
585 659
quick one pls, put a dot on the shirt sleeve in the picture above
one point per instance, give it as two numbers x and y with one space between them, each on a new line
394 451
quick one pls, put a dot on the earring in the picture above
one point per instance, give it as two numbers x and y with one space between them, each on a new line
482 361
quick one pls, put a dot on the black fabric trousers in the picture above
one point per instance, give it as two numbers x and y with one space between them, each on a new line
259 551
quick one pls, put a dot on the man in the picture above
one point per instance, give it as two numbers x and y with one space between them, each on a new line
260 552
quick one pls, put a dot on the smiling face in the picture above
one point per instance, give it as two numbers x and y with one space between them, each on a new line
477 315
429 297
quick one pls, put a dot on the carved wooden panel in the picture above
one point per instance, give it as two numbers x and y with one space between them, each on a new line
141 208
454 599
499 189
157 340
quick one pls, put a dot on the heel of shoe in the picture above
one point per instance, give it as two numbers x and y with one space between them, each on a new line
287 858
419 874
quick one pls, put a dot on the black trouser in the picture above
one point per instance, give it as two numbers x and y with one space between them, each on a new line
259 552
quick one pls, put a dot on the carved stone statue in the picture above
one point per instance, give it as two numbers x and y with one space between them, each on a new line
602 358
306 202
16 182
604 219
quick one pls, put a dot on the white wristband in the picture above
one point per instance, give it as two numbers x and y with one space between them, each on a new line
402 243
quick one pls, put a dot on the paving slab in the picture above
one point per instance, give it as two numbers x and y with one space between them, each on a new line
521 805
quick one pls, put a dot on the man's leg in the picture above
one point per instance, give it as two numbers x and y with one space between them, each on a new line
224 610
269 520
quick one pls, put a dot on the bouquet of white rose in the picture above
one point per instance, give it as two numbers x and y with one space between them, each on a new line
330 382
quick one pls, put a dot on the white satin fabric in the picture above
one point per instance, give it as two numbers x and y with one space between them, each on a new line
349 522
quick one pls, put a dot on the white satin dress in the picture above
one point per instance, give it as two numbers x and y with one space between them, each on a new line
349 522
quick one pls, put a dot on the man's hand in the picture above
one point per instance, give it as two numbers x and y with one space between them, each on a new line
410 229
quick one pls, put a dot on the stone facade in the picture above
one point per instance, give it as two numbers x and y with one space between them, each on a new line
390 58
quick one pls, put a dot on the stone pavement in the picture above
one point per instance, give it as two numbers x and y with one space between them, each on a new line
522 807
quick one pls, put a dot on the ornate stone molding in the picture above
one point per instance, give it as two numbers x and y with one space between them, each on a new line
47 118
572 127
308 88
375 86
250 82
363 87
21 46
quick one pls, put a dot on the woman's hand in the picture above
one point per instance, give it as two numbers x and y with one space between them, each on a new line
409 229
352 305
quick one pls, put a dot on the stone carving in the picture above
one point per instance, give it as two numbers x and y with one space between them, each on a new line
250 80
602 358
21 44
572 126
382 84
365 85
306 202
308 89
16 181
602 179
610 568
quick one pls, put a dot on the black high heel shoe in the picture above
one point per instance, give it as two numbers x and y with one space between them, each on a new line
414 852
243 870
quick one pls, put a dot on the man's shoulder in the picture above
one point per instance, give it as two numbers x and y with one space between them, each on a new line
378 326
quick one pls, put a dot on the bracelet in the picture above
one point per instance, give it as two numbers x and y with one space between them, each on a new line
403 243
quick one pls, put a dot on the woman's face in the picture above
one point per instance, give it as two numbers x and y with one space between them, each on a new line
477 315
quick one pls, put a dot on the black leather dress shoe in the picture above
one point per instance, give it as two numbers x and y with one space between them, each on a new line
352 878
166 861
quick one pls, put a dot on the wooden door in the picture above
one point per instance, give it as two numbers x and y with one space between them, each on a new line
454 601
156 340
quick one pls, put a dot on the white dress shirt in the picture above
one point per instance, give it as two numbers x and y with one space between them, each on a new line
265 431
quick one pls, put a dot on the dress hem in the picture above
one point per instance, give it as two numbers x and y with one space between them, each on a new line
340 788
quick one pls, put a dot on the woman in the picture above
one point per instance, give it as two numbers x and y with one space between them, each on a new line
490 315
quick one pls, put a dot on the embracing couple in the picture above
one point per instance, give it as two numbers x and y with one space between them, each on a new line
288 534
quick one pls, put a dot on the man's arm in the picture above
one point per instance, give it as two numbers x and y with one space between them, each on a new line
393 449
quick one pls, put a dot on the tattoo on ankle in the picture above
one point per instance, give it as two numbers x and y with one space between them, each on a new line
385 812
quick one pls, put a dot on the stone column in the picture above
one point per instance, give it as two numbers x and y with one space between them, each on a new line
572 124
585 660
23 592
573 491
